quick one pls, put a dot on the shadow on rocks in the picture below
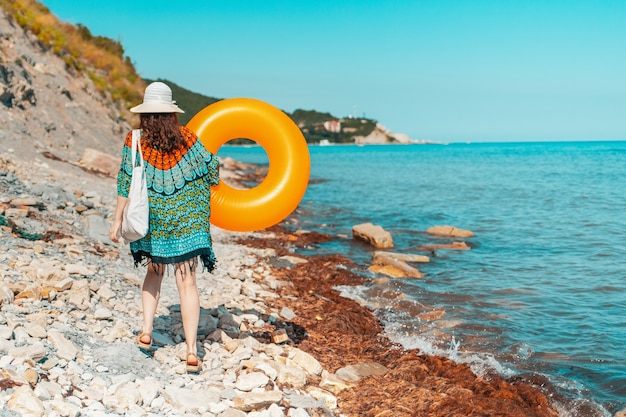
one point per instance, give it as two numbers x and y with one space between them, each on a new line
219 324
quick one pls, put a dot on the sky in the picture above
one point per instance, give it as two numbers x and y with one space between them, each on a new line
441 70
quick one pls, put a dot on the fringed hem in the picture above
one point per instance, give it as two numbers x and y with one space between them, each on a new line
206 256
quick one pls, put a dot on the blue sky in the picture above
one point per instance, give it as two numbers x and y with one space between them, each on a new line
443 70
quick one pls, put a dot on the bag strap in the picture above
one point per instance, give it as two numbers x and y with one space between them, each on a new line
136 147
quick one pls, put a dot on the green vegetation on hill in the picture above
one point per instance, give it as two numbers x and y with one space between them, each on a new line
310 122
315 126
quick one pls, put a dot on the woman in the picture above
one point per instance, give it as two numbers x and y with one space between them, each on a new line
179 172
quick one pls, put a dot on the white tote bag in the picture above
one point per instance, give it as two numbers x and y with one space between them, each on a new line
135 220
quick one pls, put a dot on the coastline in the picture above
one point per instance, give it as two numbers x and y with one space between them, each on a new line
514 273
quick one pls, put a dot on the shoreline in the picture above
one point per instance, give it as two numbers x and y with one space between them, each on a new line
341 332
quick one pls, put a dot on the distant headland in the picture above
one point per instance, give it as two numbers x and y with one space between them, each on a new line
317 127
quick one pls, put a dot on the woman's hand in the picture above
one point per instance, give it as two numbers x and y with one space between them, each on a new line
114 232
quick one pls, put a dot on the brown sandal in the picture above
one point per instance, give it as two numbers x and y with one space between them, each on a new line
144 345
195 365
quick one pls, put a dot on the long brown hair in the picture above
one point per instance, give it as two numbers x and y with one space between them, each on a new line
161 131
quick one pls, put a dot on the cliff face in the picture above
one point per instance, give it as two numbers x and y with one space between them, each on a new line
380 135
46 108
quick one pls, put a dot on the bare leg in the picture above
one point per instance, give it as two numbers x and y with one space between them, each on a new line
150 297
189 302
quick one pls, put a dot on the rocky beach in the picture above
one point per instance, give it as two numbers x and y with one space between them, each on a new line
71 307
275 337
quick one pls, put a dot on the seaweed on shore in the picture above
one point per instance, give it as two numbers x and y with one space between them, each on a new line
341 332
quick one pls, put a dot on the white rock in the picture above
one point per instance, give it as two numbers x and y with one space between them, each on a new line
64 284
6 332
242 352
298 412
5 360
6 295
306 361
23 400
247 382
333 383
21 336
95 409
38 318
218 408
252 343
98 383
117 381
128 394
190 400
250 289
102 313
110 401
46 390
106 292
35 352
231 412
149 389
296 400
86 376
92 394
257 400
321 394
80 294
267 366
275 411
37 331
13 321
13 375
49 363
287 313
355 372
250 318
293 376
81 269
6 345
65 348
45 270
294 259
118 331
64 408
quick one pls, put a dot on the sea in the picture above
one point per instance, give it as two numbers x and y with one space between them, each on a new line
541 294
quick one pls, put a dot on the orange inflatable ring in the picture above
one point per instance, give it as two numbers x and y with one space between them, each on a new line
281 191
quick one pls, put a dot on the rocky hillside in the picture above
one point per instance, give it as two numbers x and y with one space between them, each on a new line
47 111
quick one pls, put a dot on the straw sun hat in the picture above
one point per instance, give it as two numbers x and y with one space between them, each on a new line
157 99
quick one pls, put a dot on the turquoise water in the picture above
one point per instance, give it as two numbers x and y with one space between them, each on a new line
543 289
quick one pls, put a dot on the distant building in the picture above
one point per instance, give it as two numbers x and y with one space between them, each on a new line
333 126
